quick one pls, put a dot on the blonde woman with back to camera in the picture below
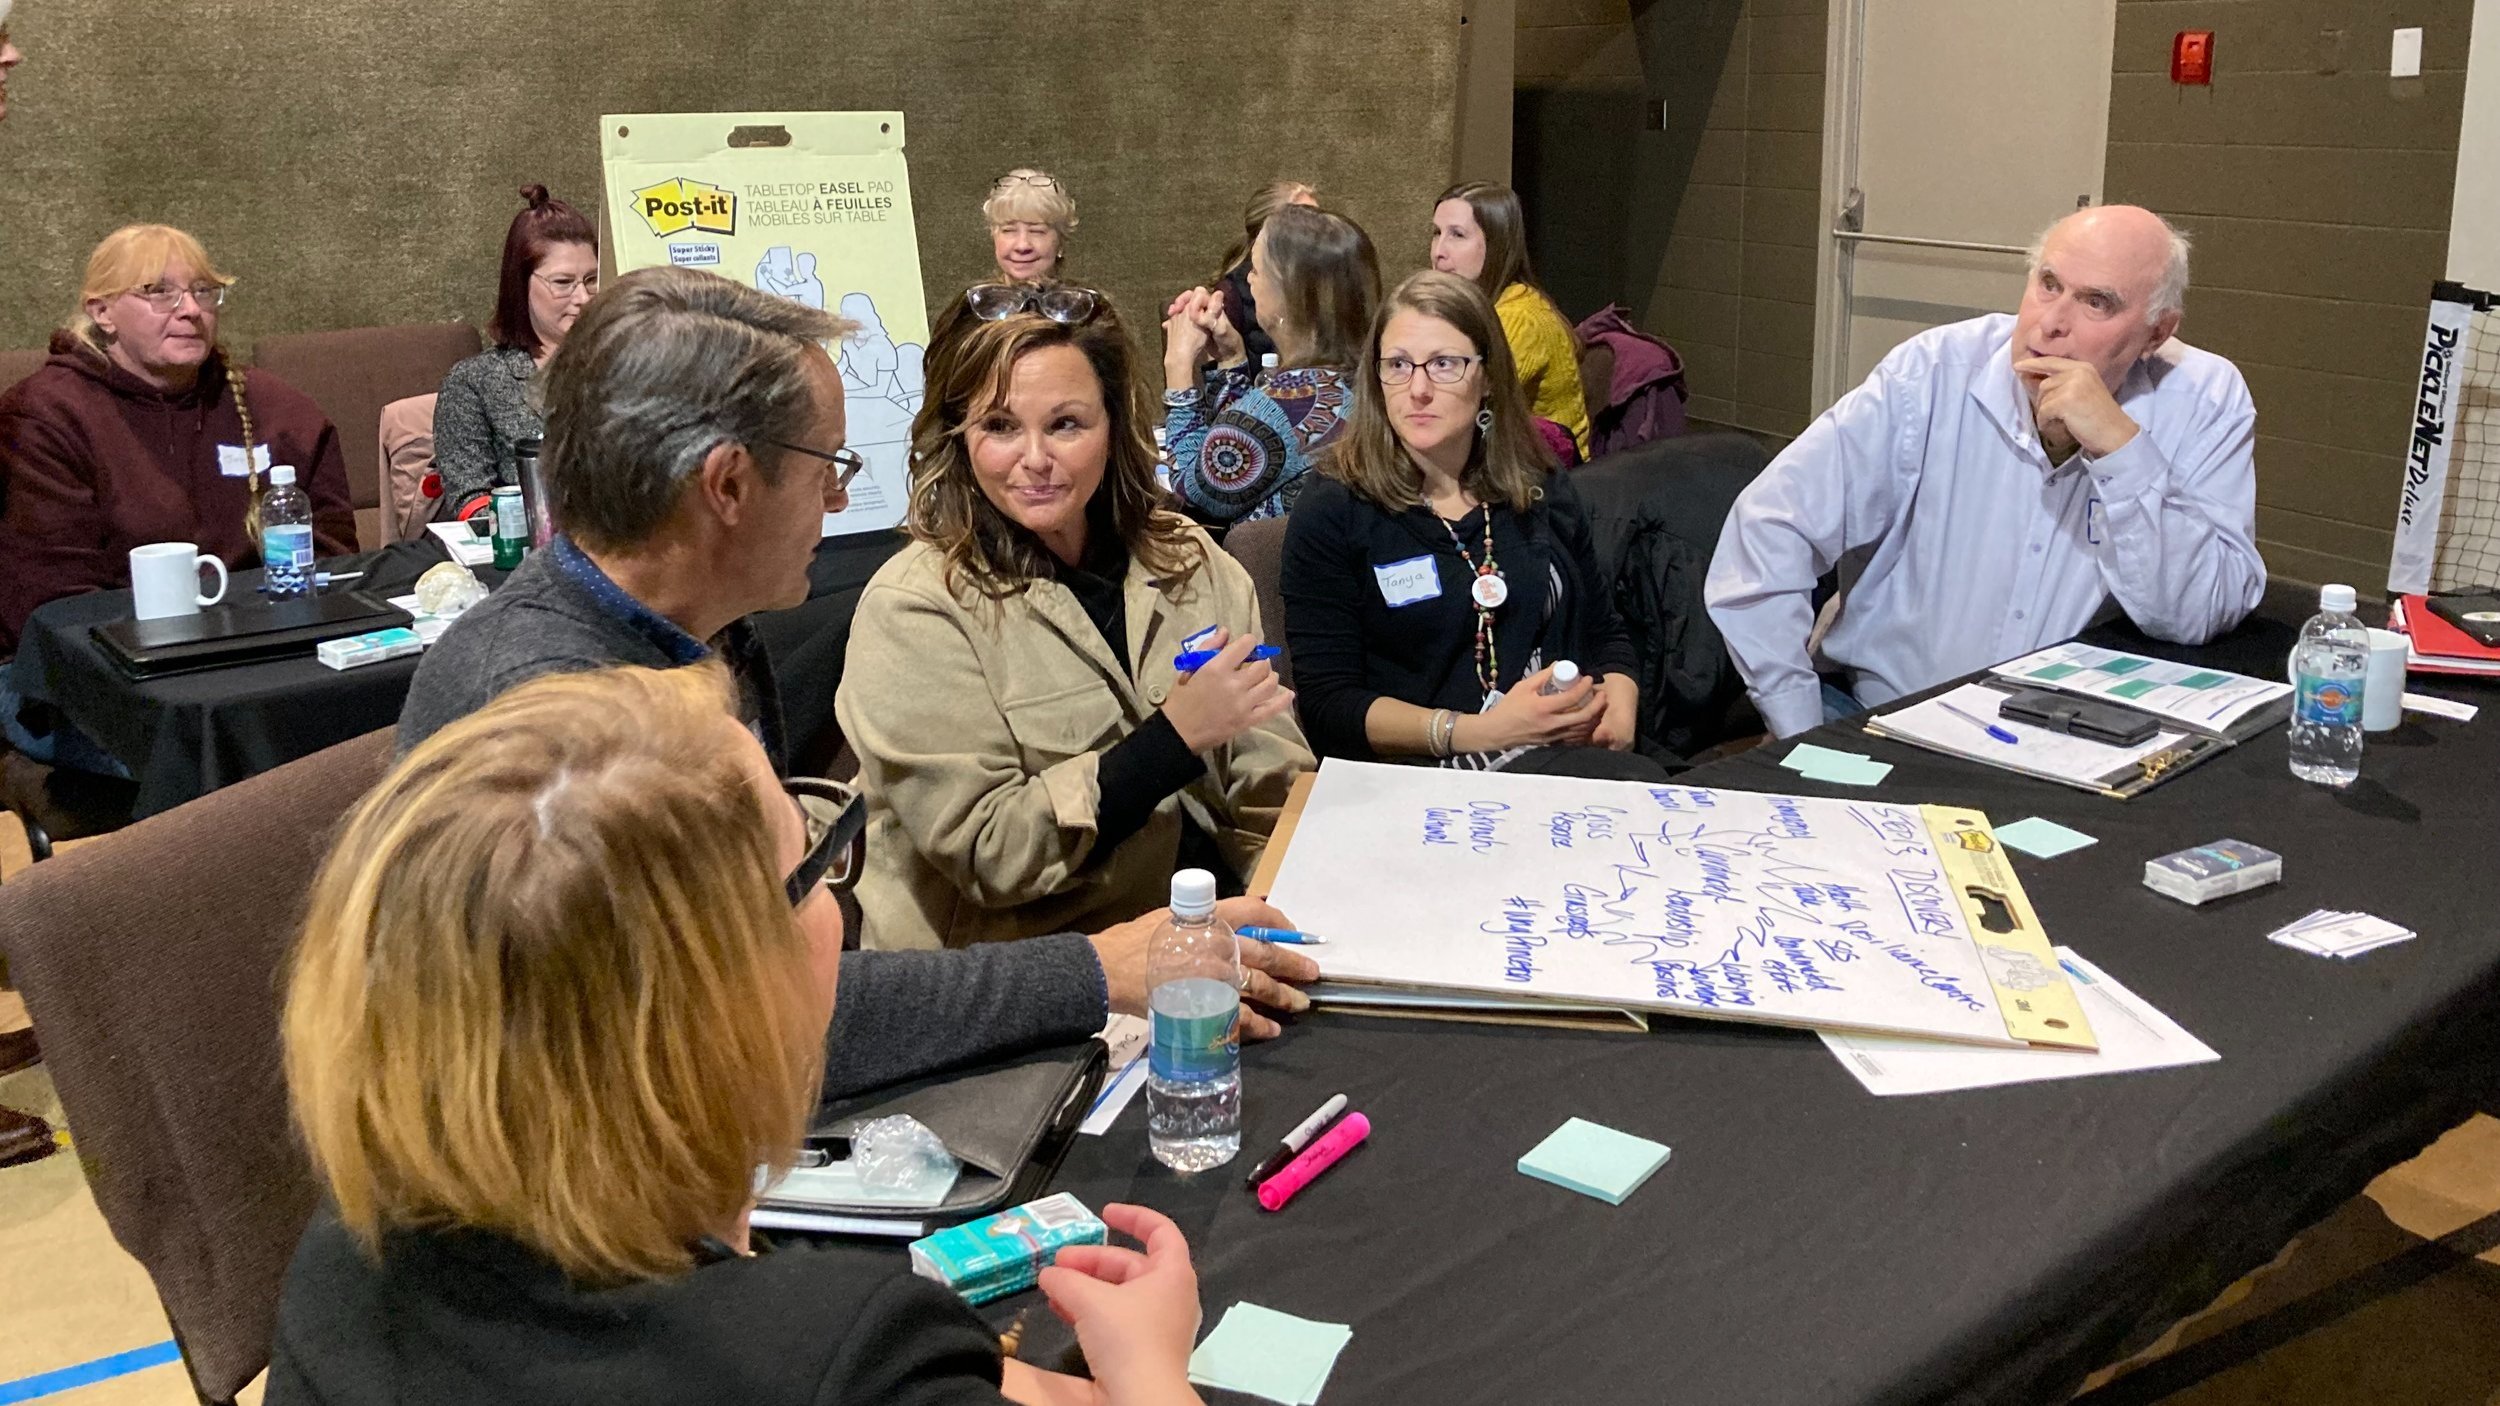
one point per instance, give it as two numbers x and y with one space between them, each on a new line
561 992
1033 754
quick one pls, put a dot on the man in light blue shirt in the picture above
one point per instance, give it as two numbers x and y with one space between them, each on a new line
2004 478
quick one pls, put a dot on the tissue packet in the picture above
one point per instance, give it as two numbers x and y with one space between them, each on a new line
1004 1254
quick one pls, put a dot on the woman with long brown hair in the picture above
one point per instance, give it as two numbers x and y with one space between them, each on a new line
1037 759
550 273
1440 573
561 994
1240 440
1479 232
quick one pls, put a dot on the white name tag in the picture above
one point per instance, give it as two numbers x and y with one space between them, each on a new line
1406 582
231 463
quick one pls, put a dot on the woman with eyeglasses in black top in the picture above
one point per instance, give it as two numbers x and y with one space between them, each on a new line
1439 571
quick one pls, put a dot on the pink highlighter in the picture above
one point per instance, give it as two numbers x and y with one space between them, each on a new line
1315 1159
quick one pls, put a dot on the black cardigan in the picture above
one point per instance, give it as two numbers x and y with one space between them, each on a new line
468 1317
1351 646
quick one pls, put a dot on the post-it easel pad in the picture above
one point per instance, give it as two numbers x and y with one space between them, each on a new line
1594 1160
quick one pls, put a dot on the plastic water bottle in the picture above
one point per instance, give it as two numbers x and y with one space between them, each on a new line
2329 666
1193 1006
1566 674
286 537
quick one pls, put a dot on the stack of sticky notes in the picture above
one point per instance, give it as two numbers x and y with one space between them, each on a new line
1594 1160
2045 838
1266 1353
1824 764
2327 933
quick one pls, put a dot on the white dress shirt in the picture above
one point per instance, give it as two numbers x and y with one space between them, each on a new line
1981 551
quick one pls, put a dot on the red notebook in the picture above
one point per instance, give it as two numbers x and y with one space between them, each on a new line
2439 647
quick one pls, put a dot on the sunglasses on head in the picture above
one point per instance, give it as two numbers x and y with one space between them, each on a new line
836 817
1063 303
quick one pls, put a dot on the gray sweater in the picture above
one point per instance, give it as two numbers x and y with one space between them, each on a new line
897 1015
483 411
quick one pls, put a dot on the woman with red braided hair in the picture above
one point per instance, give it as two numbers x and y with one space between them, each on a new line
141 428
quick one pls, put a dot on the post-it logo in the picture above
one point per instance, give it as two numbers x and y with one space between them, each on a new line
675 206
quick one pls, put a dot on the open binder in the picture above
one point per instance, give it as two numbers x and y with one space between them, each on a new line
2197 714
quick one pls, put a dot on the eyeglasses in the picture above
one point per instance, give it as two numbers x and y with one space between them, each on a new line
836 817
1444 370
210 296
1038 182
565 285
1063 303
847 461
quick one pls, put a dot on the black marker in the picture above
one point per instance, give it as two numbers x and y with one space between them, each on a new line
1298 1139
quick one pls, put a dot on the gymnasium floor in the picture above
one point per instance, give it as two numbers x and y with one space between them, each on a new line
2365 1307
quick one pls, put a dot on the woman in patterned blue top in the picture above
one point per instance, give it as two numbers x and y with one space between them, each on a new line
1241 444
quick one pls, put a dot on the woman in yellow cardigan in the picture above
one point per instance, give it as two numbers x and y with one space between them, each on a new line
1479 233
1034 758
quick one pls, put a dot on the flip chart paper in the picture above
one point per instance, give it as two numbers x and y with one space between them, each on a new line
1729 904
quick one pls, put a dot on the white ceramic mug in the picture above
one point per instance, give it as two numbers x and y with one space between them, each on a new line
2383 688
165 580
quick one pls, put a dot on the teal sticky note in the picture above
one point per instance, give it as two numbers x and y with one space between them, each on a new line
1594 1160
1846 768
1805 756
1266 1353
2045 838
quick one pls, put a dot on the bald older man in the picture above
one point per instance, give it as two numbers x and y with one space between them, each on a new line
2004 478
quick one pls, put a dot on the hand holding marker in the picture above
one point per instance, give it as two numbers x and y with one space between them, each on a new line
1196 655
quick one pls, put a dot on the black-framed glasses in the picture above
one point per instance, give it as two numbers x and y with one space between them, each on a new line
211 296
836 816
1444 370
1063 303
846 462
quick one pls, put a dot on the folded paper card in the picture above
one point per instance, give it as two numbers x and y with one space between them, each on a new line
1266 1353
1594 1160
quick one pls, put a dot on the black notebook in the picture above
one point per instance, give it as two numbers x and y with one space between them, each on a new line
242 632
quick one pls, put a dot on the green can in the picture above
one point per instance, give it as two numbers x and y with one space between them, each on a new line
512 528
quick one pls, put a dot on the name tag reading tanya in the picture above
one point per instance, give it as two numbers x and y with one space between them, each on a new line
232 464
1406 582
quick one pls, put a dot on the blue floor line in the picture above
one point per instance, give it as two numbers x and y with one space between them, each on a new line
103 1369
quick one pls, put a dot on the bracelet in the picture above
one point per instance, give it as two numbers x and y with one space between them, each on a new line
1438 731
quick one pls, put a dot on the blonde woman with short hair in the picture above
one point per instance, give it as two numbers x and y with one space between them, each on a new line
561 993
1030 216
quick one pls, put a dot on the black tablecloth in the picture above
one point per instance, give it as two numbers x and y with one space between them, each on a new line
1808 1242
186 735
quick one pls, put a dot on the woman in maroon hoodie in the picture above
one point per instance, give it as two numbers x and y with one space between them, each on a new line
139 429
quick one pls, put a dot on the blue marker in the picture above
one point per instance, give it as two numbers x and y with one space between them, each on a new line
1192 658
1191 661
1286 936
2000 734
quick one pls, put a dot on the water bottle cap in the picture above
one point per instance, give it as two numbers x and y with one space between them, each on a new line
1267 361
280 475
1566 673
1193 893
2339 599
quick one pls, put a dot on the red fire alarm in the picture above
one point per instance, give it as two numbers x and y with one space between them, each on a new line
2192 57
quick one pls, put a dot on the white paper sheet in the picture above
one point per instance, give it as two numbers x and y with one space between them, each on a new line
1126 1034
465 548
2209 699
2040 752
2133 1036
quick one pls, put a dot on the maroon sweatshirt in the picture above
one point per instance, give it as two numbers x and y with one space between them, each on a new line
94 462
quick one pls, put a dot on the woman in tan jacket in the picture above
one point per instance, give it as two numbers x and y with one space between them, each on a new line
1034 758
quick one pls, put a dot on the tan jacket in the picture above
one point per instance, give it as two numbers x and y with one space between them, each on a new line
979 726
